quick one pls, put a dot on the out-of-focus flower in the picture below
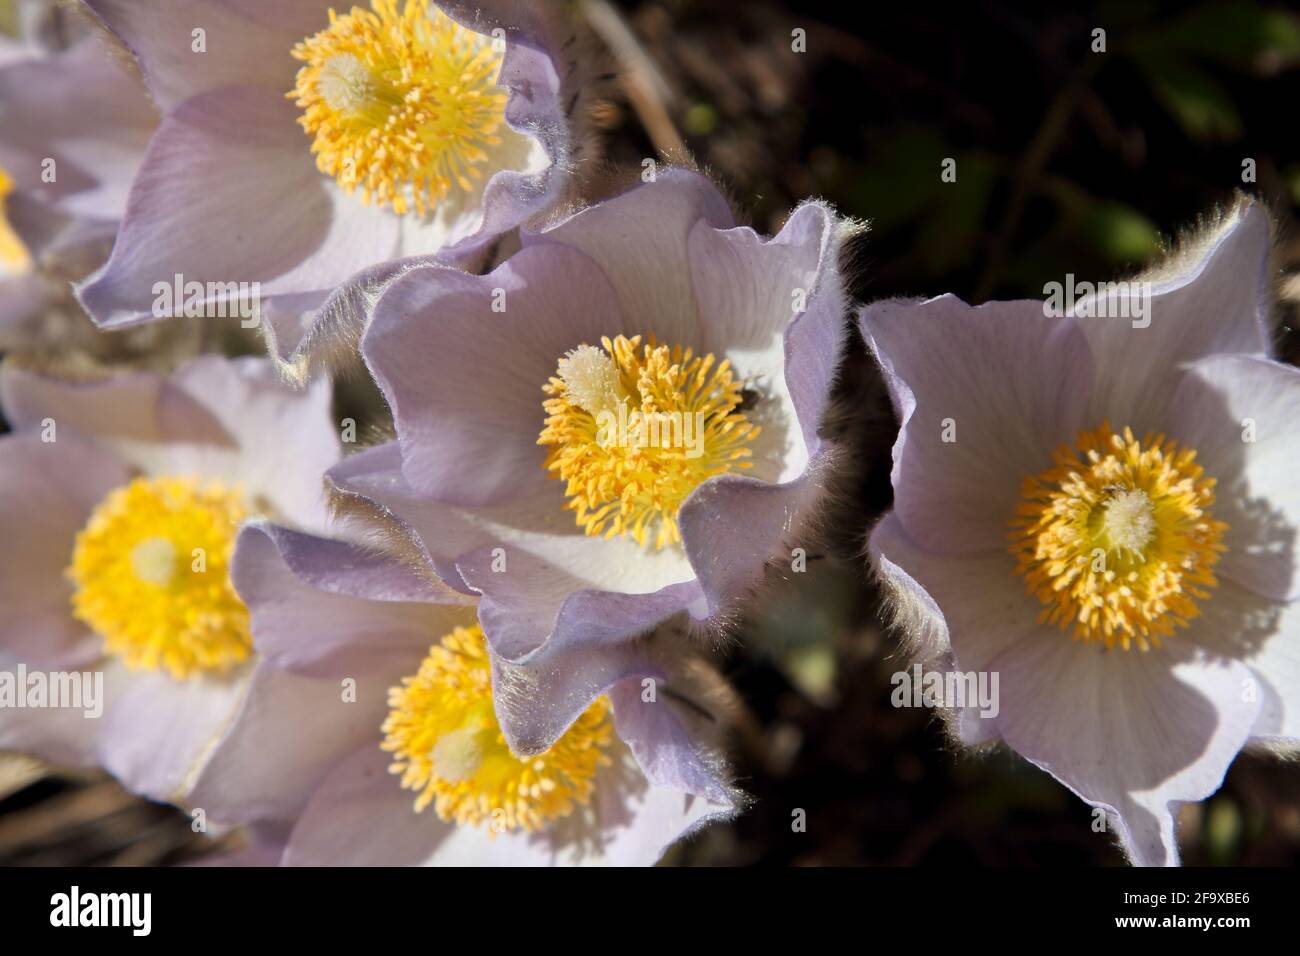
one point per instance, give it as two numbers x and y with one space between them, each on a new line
1103 512
300 147
616 425
369 721
74 123
39 28
121 500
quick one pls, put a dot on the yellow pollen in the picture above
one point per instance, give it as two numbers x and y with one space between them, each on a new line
402 102
635 428
448 748
150 571
1117 540
14 257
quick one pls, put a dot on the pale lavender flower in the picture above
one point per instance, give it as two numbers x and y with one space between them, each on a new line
590 484
277 163
120 500
364 663
1135 589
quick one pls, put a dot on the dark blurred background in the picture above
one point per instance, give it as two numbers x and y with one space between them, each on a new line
1067 160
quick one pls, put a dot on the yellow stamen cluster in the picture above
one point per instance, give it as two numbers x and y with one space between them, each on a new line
14 256
443 734
635 428
150 569
1117 539
401 101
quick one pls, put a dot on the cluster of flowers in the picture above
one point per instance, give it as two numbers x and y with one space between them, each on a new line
487 637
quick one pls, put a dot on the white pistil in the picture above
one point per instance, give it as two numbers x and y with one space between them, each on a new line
154 561
591 379
345 83
1129 521
457 755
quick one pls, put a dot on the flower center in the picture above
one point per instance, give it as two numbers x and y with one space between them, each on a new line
1117 538
635 428
150 571
446 744
14 257
401 104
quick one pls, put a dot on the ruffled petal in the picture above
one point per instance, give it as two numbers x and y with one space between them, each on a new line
1132 732
331 609
1242 416
538 574
541 598
776 308
539 697
462 360
985 394
1214 299
245 41
218 164
672 727
732 526
640 240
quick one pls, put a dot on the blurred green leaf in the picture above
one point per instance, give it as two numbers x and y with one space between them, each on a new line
1292 176
812 669
1239 34
701 119
1242 35
1223 827
900 177
953 230
1121 233
901 185
1195 99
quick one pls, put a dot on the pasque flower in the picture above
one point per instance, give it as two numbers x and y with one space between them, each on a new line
74 123
617 425
301 146
121 499
1103 510
369 728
